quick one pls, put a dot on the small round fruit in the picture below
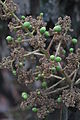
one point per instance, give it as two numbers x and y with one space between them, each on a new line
36 78
57 28
26 25
14 72
19 39
44 84
64 52
40 76
52 57
41 14
38 92
53 69
74 41
58 59
59 100
23 17
24 95
42 30
30 27
71 50
20 64
9 38
58 68
34 109
47 34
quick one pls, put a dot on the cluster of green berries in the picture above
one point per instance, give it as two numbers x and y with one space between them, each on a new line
57 59
43 31
40 76
74 42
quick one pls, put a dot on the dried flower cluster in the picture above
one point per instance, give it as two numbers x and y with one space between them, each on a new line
58 71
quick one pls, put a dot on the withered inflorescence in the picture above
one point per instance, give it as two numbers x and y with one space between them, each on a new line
57 71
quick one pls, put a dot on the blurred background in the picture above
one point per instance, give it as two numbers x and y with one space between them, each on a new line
52 9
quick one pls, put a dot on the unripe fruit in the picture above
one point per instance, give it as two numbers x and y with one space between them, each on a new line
53 69
26 25
47 34
71 50
64 52
58 68
58 59
20 64
14 72
38 93
24 95
19 39
34 109
57 28
23 17
36 78
74 41
59 100
30 27
52 57
42 30
9 38
41 14
44 84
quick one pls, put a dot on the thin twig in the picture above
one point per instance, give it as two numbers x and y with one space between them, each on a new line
72 84
58 48
57 90
55 84
50 44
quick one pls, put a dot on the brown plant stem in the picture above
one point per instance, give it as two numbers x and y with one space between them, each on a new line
58 90
58 48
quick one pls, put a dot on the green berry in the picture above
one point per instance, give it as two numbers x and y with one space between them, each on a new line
57 28
40 76
42 30
53 69
59 99
24 95
44 84
14 72
58 68
34 109
38 92
36 78
64 52
26 25
71 50
19 39
20 64
23 17
74 41
9 38
58 59
52 57
47 34
41 14
30 27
